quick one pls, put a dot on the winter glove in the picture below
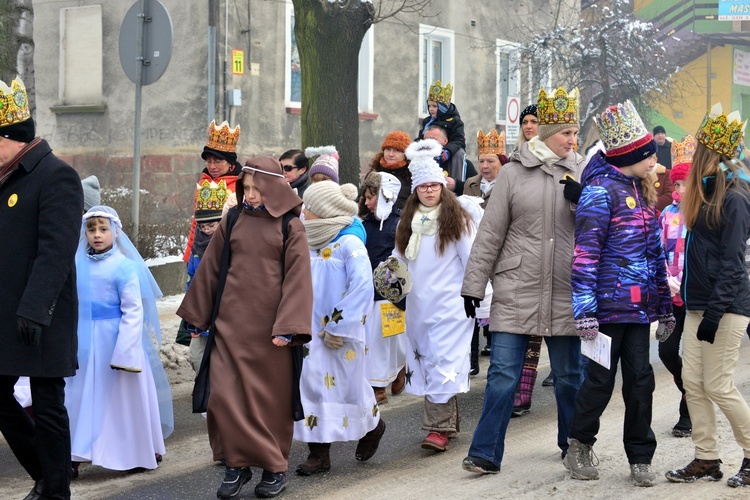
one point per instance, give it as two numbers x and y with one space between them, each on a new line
707 330
587 328
470 306
674 285
666 326
29 332
330 340
444 155
572 190
482 322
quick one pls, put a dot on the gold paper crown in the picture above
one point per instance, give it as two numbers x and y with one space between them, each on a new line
14 105
210 197
223 138
438 93
682 152
560 108
721 133
491 143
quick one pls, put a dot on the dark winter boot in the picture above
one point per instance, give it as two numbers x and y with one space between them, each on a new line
319 460
369 443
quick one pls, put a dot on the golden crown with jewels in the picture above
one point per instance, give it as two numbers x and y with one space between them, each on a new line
621 129
223 138
438 93
682 152
720 132
14 104
491 143
209 199
558 108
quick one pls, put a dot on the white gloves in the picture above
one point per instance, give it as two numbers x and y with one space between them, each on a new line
674 285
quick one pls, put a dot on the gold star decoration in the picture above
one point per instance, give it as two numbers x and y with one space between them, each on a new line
329 380
345 423
311 421
337 315
350 355
364 319
324 320
375 410
367 349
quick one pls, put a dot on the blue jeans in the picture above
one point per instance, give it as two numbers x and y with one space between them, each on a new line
506 361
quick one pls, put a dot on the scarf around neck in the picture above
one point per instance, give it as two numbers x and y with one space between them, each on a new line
424 223
321 232
539 149
392 166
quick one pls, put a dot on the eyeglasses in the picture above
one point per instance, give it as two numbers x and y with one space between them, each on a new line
211 160
433 186
289 168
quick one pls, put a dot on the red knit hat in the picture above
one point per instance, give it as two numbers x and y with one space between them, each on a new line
679 172
396 140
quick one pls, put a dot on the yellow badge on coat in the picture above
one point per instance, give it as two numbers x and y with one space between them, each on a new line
676 220
630 202
657 184
392 319
13 200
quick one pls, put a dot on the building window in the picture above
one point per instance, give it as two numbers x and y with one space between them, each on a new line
436 61
540 77
81 56
508 58
293 72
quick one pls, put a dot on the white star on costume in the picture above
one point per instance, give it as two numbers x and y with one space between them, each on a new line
450 376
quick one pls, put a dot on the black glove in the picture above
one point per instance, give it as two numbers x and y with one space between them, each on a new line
470 306
707 330
572 190
29 332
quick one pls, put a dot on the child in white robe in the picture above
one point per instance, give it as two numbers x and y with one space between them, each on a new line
119 401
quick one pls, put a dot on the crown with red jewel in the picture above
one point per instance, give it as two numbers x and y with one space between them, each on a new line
223 138
491 143
558 108
720 132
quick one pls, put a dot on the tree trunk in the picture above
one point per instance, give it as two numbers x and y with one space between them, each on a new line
329 36
17 42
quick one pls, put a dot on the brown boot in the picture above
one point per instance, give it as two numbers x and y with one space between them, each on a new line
368 445
398 385
318 460
742 478
380 396
710 470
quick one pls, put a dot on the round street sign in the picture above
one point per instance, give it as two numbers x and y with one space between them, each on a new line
157 41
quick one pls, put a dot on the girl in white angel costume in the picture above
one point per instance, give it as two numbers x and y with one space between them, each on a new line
119 401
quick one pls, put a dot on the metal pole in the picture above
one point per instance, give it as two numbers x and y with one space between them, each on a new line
211 61
137 128
708 73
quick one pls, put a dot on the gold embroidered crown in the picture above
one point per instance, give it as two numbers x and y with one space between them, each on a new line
621 129
682 152
223 138
559 108
14 105
721 133
209 199
491 143
438 93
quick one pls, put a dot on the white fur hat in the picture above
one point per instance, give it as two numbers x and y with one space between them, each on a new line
389 189
423 167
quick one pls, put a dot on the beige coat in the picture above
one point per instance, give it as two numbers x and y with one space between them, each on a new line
472 188
525 246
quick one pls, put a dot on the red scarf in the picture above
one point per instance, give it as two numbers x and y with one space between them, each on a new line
12 164
392 166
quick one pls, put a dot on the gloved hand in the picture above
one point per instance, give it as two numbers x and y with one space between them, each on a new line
482 322
666 326
444 155
707 330
674 285
29 332
470 306
587 328
572 190
330 340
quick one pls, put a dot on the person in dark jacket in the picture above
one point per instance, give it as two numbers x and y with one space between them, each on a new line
296 167
664 145
443 113
392 159
619 284
42 203
716 293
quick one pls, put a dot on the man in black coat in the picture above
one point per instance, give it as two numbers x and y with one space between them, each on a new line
41 203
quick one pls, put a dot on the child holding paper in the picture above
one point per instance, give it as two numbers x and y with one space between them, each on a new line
619 285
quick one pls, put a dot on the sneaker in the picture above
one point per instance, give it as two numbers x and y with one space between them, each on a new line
683 428
520 411
642 474
369 443
36 491
581 461
234 479
742 478
710 470
479 466
549 381
437 441
271 484
485 351
474 371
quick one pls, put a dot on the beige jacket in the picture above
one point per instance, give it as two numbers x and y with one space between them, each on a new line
525 246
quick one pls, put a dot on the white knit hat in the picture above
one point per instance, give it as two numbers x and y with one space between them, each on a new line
327 199
91 192
423 167
389 189
326 163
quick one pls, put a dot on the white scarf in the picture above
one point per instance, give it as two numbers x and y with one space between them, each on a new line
424 222
486 186
321 232
539 149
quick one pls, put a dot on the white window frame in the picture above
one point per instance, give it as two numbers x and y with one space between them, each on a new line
365 78
447 37
546 82
512 51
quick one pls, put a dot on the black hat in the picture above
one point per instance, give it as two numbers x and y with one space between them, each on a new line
22 131
528 110
659 130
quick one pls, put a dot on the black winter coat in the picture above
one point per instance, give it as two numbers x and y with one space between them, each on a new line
453 125
715 277
40 217
380 244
